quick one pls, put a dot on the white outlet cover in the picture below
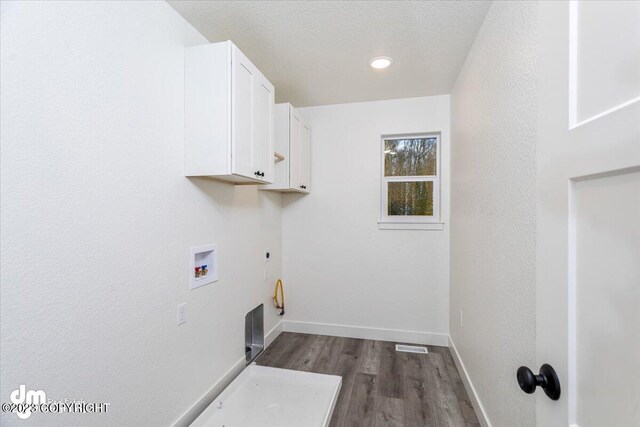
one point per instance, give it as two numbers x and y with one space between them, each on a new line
182 313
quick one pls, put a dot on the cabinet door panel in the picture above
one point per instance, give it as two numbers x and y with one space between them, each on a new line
305 157
263 129
294 150
243 97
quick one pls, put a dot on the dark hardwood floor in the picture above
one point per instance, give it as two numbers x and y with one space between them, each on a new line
380 387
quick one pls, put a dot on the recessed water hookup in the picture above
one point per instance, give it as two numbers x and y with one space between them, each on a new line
204 265
200 271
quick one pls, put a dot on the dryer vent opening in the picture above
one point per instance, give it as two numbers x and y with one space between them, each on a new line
254 333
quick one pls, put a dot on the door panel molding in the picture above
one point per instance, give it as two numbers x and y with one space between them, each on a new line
575 118
572 283
577 150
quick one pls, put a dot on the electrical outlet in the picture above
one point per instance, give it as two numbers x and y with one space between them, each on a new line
460 317
267 255
266 274
182 313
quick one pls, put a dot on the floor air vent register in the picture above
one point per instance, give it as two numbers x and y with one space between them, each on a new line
411 349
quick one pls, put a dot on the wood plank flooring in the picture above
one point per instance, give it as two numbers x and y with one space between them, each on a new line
380 386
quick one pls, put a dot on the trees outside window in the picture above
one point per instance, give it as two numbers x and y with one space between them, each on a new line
410 178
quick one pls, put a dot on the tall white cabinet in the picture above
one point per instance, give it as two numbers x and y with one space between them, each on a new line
293 141
229 116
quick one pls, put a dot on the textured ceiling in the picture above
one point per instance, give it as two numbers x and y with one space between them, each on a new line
318 52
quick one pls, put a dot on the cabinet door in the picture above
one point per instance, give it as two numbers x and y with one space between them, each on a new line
305 157
295 124
263 135
244 78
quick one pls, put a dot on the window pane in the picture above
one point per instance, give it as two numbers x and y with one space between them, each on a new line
410 198
410 157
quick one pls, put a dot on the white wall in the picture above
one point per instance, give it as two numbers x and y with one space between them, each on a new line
340 268
97 218
493 221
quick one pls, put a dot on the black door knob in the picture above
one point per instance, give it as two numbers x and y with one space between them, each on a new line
547 379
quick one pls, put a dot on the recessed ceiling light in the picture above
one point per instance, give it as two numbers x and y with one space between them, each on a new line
380 62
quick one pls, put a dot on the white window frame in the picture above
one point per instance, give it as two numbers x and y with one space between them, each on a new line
410 222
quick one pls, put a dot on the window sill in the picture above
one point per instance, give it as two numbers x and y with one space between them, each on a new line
410 225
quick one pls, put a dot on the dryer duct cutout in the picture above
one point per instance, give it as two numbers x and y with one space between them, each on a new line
254 333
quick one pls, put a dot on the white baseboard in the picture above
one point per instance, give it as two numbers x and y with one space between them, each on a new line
468 385
380 334
273 334
196 409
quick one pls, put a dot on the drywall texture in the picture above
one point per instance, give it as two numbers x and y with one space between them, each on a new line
339 267
493 221
97 218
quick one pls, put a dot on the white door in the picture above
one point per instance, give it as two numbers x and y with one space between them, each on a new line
305 157
244 83
588 212
263 136
295 123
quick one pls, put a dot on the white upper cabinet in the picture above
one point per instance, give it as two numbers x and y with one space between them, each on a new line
304 161
229 116
293 141
263 140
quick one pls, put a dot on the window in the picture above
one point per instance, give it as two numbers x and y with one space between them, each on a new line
410 181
